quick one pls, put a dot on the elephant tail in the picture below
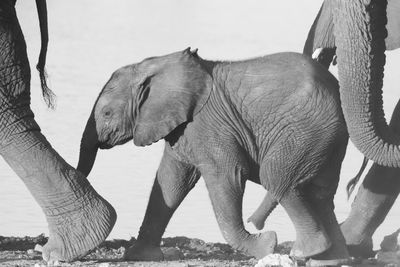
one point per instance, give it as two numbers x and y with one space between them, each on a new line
353 182
48 95
263 211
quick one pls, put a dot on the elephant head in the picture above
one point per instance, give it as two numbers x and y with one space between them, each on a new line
356 30
145 102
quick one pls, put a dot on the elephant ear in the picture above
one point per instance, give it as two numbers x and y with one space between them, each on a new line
393 25
321 33
172 90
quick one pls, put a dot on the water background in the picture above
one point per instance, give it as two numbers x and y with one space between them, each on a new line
90 39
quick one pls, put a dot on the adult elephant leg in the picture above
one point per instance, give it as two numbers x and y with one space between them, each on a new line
173 182
78 218
226 193
372 203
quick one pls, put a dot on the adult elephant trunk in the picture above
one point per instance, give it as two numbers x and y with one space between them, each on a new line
360 39
89 147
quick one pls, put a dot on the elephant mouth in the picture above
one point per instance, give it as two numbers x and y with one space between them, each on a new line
123 141
108 145
105 146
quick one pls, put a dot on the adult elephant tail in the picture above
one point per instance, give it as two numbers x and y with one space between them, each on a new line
48 95
353 182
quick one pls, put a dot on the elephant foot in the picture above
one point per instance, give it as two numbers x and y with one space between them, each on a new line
266 244
336 255
257 222
72 234
308 245
358 245
361 250
143 252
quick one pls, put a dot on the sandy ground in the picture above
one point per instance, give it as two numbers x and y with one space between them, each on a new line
178 251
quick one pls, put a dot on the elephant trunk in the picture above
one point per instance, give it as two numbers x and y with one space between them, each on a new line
360 37
89 147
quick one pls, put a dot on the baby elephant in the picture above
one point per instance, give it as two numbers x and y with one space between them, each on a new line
274 120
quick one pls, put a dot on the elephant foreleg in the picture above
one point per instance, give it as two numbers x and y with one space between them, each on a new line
263 211
173 182
226 195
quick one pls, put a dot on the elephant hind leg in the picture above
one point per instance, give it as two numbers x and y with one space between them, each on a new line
226 194
311 237
320 193
289 177
337 254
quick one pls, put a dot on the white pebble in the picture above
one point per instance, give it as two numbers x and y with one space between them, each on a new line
276 260
38 248
54 263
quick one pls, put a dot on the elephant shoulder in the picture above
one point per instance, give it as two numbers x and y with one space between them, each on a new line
313 79
311 72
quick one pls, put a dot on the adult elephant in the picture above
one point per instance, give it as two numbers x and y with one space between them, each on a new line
78 218
355 31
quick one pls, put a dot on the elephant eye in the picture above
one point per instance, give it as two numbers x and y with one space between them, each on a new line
107 113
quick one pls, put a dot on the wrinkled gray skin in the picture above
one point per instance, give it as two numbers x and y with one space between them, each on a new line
274 120
78 218
355 31
356 69
374 199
